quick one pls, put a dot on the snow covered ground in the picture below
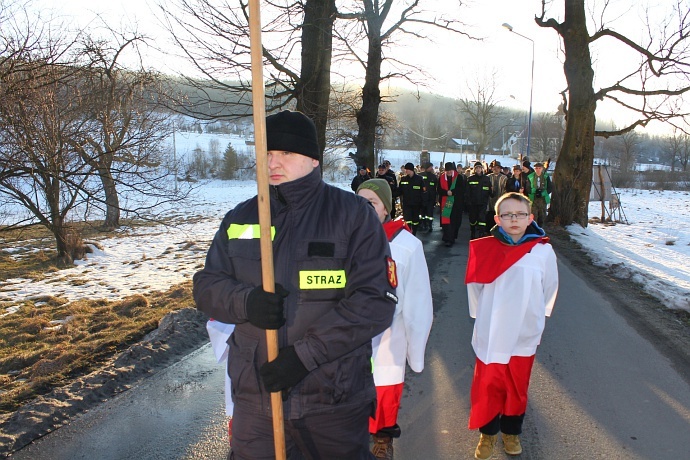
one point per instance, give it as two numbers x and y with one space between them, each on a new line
653 249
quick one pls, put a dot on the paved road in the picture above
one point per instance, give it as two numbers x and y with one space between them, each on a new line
599 390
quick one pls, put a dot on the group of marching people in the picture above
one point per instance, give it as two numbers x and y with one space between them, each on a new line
352 302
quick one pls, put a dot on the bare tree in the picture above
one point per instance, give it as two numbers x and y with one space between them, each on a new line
650 90
481 111
678 149
126 124
68 124
297 41
371 16
625 148
44 174
547 136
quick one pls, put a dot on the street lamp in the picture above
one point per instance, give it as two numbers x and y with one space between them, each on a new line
531 88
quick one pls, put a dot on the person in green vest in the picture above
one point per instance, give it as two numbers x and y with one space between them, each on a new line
540 183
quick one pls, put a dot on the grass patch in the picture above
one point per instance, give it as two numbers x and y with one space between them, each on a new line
50 341
33 247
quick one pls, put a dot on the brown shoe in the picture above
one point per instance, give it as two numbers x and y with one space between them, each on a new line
383 447
511 444
485 448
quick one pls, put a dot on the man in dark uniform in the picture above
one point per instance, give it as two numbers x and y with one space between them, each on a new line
362 175
411 189
385 172
477 198
429 199
334 292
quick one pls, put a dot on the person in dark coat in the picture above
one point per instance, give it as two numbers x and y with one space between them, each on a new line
451 193
362 175
518 182
429 199
477 198
334 292
411 188
385 172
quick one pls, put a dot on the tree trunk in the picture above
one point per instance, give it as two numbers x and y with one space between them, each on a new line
313 89
112 201
573 175
367 115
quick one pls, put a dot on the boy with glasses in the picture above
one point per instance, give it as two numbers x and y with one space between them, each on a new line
516 258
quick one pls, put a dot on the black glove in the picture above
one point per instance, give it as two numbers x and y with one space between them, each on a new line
265 309
284 372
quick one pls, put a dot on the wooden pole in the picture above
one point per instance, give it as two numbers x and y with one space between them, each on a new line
260 148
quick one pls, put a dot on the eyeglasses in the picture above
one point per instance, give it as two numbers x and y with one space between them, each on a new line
517 215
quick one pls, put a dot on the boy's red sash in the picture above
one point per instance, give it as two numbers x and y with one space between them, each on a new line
393 227
489 258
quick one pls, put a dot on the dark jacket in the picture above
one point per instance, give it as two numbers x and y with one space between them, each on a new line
392 181
515 184
411 189
319 229
430 182
358 180
478 191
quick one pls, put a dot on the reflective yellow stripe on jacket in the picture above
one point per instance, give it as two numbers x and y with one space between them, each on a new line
247 232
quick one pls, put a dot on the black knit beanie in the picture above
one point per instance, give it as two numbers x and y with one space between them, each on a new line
292 132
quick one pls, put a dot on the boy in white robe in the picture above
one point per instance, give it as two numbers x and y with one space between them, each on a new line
512 282
405 340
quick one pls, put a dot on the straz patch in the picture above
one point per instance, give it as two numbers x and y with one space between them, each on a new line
322 279
392 273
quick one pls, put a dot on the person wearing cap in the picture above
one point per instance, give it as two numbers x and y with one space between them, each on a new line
361 176
451 192
411 188
334 292
429 199
498 186
385 172
406 338
477 199
540 192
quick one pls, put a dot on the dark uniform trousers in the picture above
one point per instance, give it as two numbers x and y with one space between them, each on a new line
411 214
477 215
342 434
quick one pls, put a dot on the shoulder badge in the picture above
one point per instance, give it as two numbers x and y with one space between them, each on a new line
392 274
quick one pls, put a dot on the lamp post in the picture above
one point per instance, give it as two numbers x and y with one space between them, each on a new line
531 87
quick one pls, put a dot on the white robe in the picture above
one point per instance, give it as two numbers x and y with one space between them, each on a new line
407 336
510 312
219 333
